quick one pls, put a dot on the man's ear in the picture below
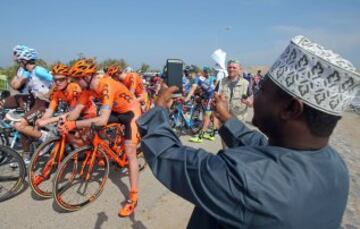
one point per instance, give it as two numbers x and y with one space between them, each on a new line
292 109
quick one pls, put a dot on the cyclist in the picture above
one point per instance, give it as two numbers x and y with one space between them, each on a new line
206 84
64 92
134 82
39 84
118 104
155 85
18 82
188 79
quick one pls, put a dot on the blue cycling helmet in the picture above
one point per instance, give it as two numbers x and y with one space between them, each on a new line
206 69
128 69
27 54
189 69
19 48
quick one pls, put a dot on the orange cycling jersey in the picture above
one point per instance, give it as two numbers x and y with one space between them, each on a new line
134 82
69 95
89 110
113 95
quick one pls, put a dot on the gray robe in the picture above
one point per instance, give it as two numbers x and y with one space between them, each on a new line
251 184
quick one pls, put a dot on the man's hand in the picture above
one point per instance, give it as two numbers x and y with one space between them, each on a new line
165 99
247 101
221 108
66 127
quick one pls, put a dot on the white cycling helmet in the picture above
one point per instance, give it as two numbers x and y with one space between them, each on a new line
128 69
27 54
19 48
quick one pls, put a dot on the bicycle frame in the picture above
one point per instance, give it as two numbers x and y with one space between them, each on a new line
56 156
14 133
101 145
180 114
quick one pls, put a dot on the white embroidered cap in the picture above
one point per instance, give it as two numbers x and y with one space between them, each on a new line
319 77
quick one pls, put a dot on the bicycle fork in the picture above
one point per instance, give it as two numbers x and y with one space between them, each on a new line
55 154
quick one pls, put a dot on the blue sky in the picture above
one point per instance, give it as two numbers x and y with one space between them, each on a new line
152 31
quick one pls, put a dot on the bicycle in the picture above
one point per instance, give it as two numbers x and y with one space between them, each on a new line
87 168
185 116
47 159
11 178
44 164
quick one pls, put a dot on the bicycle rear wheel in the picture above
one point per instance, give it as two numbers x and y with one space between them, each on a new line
75 186
43 166
12 173
196 120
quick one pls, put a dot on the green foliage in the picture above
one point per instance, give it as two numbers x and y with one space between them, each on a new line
9 71
144 68
42 63
71 62
106 63
56 62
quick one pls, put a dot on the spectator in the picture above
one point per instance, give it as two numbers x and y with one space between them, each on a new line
236 88
291 179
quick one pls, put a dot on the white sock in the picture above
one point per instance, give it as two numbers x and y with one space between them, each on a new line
44 135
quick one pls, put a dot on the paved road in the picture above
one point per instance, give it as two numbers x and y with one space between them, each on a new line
158 208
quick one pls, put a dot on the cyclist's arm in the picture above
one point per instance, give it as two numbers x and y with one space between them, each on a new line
108 97
100 120
48 113
75 113
44 74
17 82
191 92
46 121
20 79
133 84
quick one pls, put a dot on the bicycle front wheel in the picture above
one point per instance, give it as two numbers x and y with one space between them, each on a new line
76 184
12 173
43 166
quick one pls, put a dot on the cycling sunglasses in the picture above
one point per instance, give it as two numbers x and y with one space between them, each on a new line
60 80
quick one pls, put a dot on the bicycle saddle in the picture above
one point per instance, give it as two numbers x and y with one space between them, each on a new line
14 115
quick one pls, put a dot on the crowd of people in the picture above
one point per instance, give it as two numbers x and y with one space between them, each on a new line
291 178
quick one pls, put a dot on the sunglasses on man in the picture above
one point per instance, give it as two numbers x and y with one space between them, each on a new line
59 80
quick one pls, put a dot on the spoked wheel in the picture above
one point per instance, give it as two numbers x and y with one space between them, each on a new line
176 123
77 184
140 159
4 139
12 173
196 120
43 166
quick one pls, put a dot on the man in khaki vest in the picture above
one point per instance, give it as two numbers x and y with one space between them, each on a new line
235 88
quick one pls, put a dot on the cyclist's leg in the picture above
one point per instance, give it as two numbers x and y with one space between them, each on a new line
206 109
24 126
25 142
14 101
131 142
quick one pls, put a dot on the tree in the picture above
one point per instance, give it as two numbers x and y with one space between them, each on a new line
42 63
144 68
71 62
9 71
106 63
